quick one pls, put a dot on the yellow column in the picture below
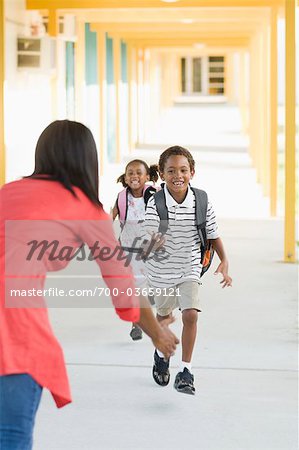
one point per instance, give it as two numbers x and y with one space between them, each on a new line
139 77
173 79
242 90
252 102
290 132
130 99
266 111
229 79
80 71
54 108
2 78
255 104
166 80
101 45
258 99
117 81
154 90
146 99
53 25
132 96
258 113
273 113
262 111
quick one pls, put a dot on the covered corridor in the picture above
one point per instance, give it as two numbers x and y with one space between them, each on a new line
120 66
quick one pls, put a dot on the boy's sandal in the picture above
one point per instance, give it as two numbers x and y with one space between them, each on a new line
161 373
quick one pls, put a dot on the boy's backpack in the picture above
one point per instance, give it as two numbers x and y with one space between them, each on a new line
201 206
122 201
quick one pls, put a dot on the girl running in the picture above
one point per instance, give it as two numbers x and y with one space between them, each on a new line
130 208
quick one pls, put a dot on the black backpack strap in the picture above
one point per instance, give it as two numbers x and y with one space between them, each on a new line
151 190
162 210
201 207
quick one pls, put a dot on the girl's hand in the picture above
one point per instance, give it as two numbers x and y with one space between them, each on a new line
157 241
114 212
223 269
154 244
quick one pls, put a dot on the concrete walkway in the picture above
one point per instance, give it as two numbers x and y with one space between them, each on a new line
245 359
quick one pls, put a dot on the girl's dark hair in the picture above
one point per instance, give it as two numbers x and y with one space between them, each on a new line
175 150
66 152
151 171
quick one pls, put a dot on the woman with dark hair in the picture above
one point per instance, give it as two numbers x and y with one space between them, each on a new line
46 219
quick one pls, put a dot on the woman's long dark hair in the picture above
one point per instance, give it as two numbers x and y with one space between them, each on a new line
66 152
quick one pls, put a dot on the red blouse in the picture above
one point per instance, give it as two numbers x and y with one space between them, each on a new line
43 211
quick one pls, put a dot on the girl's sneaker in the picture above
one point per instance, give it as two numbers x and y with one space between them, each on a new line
184 382
161 373
136 332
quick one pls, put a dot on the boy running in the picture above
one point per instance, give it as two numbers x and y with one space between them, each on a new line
175 277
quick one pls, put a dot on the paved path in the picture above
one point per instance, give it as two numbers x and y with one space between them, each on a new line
244 366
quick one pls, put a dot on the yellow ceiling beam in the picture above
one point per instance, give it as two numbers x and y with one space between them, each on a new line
175 15
179 34
182 36
173 34
193 51
177 27
96 4
221 42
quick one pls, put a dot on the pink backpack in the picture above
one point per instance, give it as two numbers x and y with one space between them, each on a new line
122 200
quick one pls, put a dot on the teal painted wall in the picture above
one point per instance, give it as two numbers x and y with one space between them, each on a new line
124 124
91 89
70 79
124 62
111 117
91 60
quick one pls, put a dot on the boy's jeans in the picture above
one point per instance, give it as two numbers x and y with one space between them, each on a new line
19 399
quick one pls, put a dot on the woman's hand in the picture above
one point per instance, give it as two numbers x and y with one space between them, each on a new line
162 337
166 341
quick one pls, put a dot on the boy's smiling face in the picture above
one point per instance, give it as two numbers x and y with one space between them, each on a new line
177 175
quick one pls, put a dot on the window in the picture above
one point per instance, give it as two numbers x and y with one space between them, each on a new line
216 75
183 74
197 75
204 75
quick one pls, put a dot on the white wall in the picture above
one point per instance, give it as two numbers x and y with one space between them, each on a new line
28 106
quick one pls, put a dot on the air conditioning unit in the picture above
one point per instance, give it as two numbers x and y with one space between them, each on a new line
36 54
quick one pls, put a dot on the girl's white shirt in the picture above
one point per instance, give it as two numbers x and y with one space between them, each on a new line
132 229
134 225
